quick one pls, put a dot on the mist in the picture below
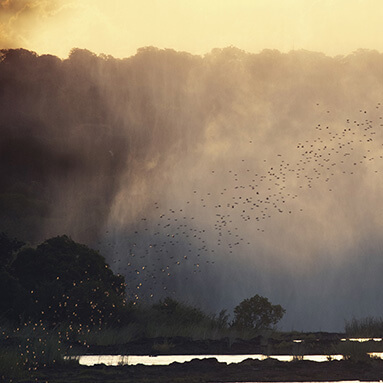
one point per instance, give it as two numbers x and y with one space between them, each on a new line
206 178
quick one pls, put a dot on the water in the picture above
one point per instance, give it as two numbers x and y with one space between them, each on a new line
163 360
361 340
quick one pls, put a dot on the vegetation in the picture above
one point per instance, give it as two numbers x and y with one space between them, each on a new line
354 351
29 347
63 282
257 313
62 294
50 296
60 281
365 327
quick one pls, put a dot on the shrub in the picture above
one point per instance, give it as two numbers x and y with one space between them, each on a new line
353 351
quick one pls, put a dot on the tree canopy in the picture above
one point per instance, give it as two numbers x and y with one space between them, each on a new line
61 280
257 313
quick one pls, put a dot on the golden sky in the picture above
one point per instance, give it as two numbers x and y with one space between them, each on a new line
119 27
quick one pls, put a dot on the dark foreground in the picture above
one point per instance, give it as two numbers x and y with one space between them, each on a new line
210 370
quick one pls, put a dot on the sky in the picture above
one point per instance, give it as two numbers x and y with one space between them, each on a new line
120 27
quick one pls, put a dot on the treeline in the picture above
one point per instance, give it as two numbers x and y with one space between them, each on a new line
75 132
61 282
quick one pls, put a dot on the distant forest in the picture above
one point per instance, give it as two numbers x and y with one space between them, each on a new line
74 131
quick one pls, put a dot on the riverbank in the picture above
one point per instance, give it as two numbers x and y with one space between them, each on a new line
210 370
318 343
32 359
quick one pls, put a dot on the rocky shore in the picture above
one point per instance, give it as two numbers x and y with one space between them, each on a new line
356 365
210 370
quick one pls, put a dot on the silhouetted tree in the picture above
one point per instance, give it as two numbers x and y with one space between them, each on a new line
68 282
13 298
257 313
7 248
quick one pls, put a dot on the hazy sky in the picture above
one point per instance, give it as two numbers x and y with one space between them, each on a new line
119 27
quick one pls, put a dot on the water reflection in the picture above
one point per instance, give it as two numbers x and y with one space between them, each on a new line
361 340
162 360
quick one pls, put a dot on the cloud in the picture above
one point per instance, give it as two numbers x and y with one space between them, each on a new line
21 21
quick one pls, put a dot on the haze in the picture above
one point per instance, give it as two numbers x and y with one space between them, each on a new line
120 27
216 150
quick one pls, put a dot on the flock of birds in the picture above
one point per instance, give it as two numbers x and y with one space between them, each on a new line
173 243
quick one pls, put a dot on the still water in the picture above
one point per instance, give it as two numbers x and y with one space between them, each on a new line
163 360
360 340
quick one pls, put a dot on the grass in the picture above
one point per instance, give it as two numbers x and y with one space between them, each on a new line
174 319
354 351
27 348
163 347
108 336
11 365
365 327
200 331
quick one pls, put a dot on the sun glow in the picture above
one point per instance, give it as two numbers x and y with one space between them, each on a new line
120 27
